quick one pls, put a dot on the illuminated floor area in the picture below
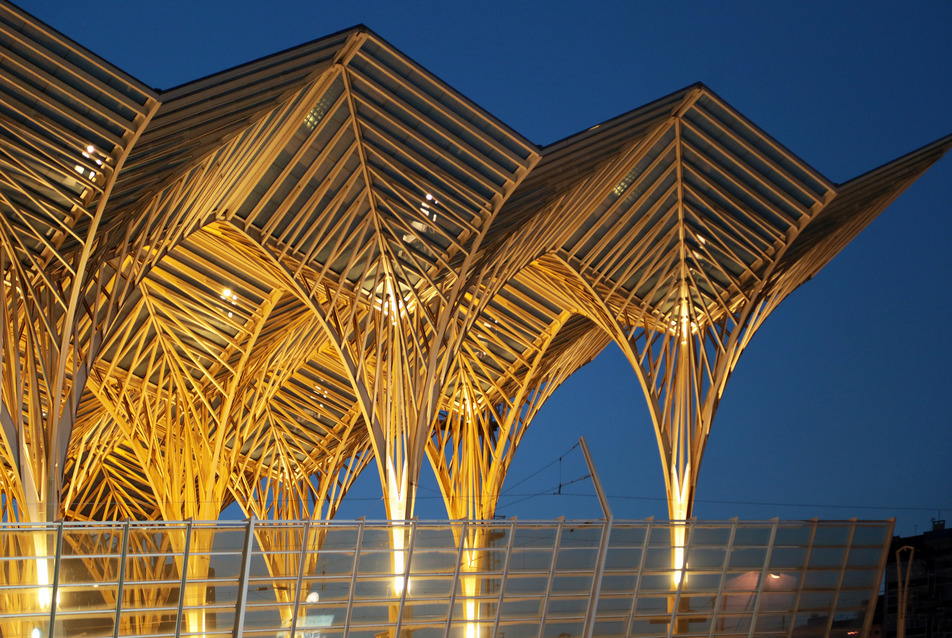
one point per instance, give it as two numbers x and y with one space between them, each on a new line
501 578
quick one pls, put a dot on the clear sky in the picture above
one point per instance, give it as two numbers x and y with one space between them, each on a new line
840 406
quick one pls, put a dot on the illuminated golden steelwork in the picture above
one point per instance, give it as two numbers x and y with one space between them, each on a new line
247 288
693 227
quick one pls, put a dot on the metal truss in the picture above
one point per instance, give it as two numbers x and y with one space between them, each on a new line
248 288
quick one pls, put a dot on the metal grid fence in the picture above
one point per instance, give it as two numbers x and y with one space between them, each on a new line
550 579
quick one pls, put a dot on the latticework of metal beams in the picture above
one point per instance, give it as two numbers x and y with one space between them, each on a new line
247 288
68 121
687 240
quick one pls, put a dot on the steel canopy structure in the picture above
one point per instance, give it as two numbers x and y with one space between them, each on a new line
249 287
686 239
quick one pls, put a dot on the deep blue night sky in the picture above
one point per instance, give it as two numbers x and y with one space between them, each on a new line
842 398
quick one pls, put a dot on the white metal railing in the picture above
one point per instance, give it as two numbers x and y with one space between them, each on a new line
466 579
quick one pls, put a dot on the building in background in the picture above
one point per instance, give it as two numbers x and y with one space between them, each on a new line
927 559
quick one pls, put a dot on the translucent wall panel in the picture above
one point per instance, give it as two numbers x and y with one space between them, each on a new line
496 578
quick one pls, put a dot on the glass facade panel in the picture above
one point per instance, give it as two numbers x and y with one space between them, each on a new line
367 613
703 581
576 559
821 579
773 624
697 603
865 556
531 560
826 557
373 589
521 608
747 557
649 627
755 535
517 585
660 535
332 564
657 581
659 557
624 558
329 589
339 539
782 581
726 587
811 624
832 535
625 535
787 557
581 536
865 534
706 558
614 606
734 623
793 535
556 630
711 536
853 599
817 600
619 582
572 585
862 578
774 601
609 628
651 605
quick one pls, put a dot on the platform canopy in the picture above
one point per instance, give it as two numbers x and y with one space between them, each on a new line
249 287
680 227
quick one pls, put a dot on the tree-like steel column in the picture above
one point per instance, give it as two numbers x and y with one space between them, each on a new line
687 239
61 152
382 245
495 392
181 381
291 473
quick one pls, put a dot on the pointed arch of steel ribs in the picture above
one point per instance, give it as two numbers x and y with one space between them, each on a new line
513 359
226 291
67 122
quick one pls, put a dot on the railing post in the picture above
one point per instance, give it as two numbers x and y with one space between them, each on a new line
406 578
641 571
239 626
592 608
182 583
839 582
455 584
56 574
691 524
803 573
353 578
122 579
302 563
720 585
868 621
548 585
504 577
764 574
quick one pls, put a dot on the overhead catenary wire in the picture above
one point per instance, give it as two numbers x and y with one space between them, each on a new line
539 471
738 502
